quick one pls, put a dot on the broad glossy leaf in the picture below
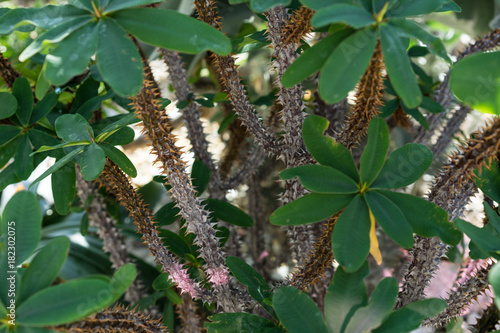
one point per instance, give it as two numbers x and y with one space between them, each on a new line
161 28
373 156
382 301
449 6
350 238
167 214
43 107
346 293
8 176
200 176
474 80
120 122
176 244
118 60
261 6
73 128
321 179
229 213
494 278
431 105
65 303
390 218
59 164
310 208
63 188
44 268
24 163
399 67
93 104
354 16
318 4
9 105
42 84
325 150
297 311
22 91
415 8
484 240
346 65
93 160
240 322
8 150
313 58
404 166
121 281
7 133
115 5
84 4
119 158
54 35
389 108
425 218
71 57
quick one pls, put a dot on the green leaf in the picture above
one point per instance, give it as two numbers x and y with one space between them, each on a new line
317 4
167 214
200 176
310 208
63 188
494 278
417 115
9 105
346 293
93 160
449 6
399 67
43 149
313 59
110 129
42 84
118 60
7 133
44 268
389 108
321 179
8 150
24 162
346 65
85 92
43 107
8 176
162 282
484 239
160 28
390 218
71 57
431 105
425 218
381 303
325 150
488 180
229 213
119 158
175 243
261 6
404 166
350 238
22 91
373 156
54 35
121 281
59 164
240 322
474 80
257 286
65 303
73 128
415 8
406 28
297 311
352 15
115 5
493 217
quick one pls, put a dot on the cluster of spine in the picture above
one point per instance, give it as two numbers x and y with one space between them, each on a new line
488 321
113 240
191 322
451 191
116 320
298 26
368 102
157 128
118 184
8 73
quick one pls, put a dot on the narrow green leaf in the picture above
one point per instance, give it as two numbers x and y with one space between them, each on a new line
115 5
65 303
59 164
484 240
9 104
321 179
414 8
346 293
417 115
390 218
346 65
389 108
121 122
119 158
63 188
160 28
351 236
22 91
229 213
381 303
399 67
494 278
43 107
167 214
449 6
93 160
71 57
310 208
431 105
121 281
261 6
8 176
425 218
474 80
73 128
43 149
44 268
404 166
24 162
42 84
7 133
8 150
313 59
200 176
373 156
351 15
297 311
240 322
325 150
118 60
175 243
